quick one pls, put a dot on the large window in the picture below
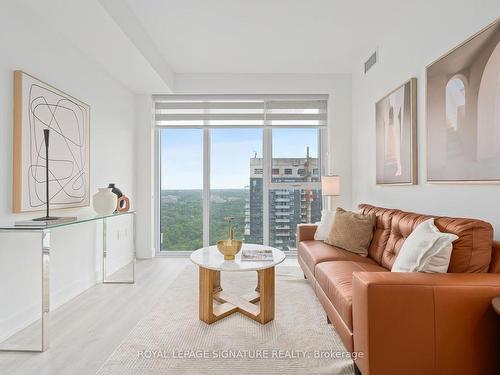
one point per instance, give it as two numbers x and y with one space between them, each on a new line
231 154
294 196
255 158
181 189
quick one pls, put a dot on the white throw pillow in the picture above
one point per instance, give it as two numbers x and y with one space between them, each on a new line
425 250
325 225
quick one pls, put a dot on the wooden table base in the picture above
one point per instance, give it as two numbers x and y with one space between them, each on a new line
227 304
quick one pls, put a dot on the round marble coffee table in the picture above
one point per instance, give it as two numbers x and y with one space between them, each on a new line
211 262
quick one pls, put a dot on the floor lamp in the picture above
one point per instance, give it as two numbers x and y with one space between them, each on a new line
330 187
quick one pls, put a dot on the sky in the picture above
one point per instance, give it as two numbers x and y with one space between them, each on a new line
231 150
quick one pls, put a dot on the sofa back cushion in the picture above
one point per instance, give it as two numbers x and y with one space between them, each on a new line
381 232
471 251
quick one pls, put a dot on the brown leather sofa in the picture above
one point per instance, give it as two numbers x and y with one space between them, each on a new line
410 323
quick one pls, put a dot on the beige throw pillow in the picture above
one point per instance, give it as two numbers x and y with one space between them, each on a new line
352 231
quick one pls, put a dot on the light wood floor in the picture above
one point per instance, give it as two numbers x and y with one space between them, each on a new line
87 329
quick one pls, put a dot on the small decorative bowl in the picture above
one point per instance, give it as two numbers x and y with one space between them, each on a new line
229 248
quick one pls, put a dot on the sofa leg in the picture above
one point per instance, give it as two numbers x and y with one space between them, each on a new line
305 277
356 370
328 320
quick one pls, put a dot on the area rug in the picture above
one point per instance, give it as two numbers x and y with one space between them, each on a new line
171 340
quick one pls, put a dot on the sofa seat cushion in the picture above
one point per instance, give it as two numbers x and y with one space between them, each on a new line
314 252
335 279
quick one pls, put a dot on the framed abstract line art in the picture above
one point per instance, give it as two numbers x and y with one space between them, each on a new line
463 111
39 106
396 136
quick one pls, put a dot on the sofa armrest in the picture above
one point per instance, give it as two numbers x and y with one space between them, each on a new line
416 323
305 232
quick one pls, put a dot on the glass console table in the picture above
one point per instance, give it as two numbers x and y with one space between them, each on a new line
45 232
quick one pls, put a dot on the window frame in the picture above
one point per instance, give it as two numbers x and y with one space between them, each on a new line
268 185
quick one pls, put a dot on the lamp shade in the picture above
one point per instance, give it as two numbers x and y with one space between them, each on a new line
330 185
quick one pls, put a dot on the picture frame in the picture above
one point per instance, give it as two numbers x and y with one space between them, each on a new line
396 136
463 111
39 106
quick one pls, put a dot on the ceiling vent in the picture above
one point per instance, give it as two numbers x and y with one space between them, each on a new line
372 60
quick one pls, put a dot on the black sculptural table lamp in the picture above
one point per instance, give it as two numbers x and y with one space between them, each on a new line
47 217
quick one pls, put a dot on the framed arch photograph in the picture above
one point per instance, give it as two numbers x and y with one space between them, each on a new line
463 111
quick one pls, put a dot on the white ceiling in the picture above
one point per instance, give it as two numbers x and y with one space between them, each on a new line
87 25
258 36
144 43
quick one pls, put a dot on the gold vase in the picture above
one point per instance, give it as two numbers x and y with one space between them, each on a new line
230 247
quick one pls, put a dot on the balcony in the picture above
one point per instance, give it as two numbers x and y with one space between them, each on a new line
286 200
282 220
282 192
282 207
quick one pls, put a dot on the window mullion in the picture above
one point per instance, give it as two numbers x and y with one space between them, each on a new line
324 160
157 191
206 187
266 155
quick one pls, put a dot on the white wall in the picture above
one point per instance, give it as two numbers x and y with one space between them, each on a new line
30 44
405 47
145 177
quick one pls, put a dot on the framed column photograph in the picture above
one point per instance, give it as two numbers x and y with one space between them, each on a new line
396 136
